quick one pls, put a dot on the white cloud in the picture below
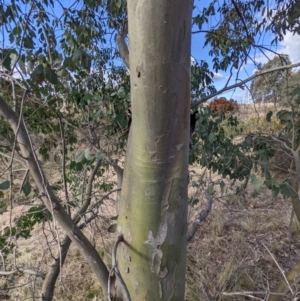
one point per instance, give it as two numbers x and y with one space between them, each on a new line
291 46
264 58
218 76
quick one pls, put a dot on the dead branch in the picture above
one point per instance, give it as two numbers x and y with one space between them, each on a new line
23 271
245 294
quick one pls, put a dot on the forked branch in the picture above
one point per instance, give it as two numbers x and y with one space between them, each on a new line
48 197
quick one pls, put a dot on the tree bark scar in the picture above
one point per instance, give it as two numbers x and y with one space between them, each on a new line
138 71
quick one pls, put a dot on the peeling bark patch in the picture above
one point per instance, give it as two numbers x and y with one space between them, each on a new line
163 89
167 285
165 201
151 147
179 146
173 196
154 250
154 158
155 147
163 272
129 237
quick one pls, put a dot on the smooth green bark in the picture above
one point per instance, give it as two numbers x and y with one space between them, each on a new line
153 206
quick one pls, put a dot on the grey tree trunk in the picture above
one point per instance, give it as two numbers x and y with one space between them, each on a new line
153 205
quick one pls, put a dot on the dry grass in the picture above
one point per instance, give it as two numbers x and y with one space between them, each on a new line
227 255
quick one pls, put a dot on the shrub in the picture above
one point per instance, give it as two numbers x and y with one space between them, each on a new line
222 105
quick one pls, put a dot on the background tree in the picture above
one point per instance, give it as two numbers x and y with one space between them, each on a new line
274 87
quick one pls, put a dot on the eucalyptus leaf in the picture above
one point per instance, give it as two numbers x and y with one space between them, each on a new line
22 66
4 185
26 188
211 137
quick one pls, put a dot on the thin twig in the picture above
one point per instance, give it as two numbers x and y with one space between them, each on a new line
12 158
246 294
21 270
11 163
62 133
3 261
290 232
280 269
23 37
45 186
24 179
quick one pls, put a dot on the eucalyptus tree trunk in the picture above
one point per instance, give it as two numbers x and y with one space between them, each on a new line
153 204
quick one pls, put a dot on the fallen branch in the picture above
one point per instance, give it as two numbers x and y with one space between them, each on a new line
23 271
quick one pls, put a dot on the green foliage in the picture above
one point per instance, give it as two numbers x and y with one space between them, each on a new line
26 188
4 185
3 206
231 38
200 73
25 224
216 151
22 227
214 147
285 18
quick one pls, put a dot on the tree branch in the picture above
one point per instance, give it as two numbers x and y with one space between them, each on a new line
201 217
241 83
52 275
49 199
63 141
123 49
